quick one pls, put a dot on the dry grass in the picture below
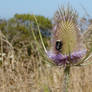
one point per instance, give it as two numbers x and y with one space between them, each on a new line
21 78
29 74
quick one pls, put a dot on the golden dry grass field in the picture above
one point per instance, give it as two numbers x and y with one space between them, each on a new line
22 73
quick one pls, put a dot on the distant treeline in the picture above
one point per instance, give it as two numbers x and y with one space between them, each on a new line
21 23
27 19
18 29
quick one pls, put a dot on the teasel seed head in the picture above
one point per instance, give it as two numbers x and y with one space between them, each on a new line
66 31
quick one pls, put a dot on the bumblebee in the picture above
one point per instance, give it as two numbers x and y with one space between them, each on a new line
59 45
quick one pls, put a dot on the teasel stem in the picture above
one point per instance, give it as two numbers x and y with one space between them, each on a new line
66 79
40 35
1 45
44 55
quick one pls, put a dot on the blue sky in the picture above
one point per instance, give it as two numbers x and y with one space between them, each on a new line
43 7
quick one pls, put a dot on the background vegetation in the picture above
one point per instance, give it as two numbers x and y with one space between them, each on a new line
23 69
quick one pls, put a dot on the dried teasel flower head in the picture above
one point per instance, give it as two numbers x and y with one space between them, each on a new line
65 33
66 43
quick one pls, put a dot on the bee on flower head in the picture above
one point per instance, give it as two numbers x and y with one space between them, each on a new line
65 31
65 40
